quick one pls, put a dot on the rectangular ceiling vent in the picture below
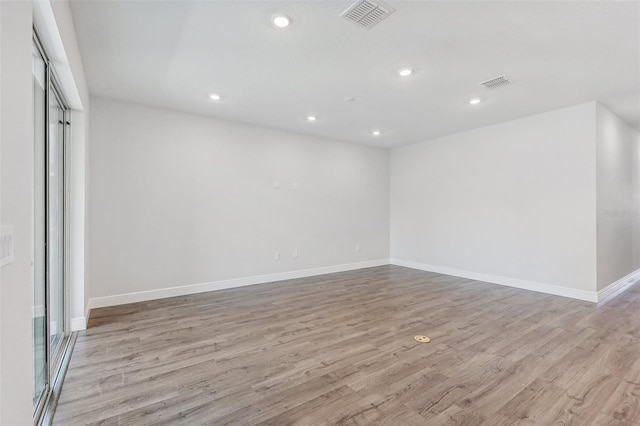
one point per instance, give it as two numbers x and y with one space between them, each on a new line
496 82
367 13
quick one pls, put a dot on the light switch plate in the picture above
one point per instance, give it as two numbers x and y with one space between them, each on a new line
6 245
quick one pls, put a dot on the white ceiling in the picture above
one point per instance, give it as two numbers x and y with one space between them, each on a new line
173 54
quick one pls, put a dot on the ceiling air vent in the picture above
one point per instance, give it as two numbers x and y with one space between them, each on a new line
367 13
496 82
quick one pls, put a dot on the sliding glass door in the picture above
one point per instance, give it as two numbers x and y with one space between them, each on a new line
39 291
49 286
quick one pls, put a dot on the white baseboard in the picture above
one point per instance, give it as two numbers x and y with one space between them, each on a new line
120 299
87 312
37 311
141 296
614 289
78 324
589 296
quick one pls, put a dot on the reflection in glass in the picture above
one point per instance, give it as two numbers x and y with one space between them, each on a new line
55 222
38 308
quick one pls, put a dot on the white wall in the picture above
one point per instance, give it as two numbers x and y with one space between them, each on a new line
511 203
16 192
1 34
614 168
180 200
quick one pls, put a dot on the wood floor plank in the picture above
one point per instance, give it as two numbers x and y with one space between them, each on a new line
339 349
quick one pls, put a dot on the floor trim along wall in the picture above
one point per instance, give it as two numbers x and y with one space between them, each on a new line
121 299
37 311
614 289
589 296
78 324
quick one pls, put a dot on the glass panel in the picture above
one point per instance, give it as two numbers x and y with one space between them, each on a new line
49 292
55 204
38 307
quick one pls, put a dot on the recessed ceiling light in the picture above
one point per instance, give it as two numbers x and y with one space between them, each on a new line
376 133
349 99
312 118
214 97
281 21
405 72
474 101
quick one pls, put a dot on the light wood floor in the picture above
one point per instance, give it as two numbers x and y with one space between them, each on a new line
339 349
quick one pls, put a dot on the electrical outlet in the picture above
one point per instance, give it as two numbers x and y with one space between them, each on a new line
6 245
357 247
295 185
276 185
295 254
276 256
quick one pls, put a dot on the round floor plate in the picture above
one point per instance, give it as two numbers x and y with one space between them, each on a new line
422 339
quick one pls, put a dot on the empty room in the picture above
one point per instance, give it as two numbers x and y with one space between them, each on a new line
272 212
